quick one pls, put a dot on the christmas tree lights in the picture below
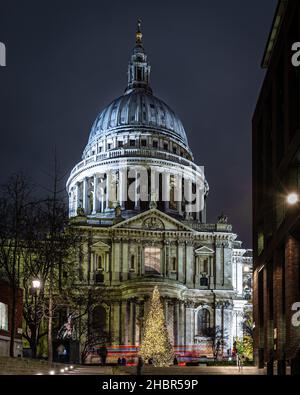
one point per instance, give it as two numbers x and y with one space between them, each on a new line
156 344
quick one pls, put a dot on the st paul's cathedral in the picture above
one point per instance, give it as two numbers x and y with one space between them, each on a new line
140 201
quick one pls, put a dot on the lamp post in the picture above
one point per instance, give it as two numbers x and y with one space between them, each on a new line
36 284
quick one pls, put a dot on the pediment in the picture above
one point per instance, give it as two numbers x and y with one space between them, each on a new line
99 245
153 220
204 250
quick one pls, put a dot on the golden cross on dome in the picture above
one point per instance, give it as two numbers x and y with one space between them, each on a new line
138 35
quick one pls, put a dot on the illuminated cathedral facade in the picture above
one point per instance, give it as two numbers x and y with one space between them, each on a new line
140 201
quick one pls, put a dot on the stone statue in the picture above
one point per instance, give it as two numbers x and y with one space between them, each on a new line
222 219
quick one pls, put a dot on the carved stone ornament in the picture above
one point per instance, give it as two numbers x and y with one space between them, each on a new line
153 223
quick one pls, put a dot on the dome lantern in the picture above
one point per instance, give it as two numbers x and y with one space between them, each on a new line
138 68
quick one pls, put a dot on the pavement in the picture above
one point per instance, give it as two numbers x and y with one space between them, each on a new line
173 370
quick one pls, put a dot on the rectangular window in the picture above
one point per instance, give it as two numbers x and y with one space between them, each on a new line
152 259
3 316
155 144
165 146
132 143
120 144
143 143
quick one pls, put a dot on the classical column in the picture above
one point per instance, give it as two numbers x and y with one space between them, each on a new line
178 196
181 325
116 323
122 188
77 197
189 330
132 323
189 264
188 197
95 195
124 323
180 273
219 274
108 186
176 323
198 204
116 271
85 195
137 191
166 191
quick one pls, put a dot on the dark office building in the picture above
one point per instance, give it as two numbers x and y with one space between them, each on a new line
276 190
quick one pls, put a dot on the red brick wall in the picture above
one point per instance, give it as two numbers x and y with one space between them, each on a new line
292 294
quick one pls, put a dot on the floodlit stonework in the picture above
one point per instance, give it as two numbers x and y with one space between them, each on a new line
140 200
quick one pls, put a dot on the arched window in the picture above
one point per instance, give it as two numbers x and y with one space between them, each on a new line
203 322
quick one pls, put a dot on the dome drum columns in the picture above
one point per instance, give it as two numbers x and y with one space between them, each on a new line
102 193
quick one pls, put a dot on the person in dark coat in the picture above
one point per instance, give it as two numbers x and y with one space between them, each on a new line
103 354
139 366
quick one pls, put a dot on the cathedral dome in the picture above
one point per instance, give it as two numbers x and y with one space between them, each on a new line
137 111
138 108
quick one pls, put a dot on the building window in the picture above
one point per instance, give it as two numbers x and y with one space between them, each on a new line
203 322
3 316
108 146
132 143
155 144
205 266
143 143
166 146
174 150
98 324
120 144
132 262
203 281
99 263
174 264
152 260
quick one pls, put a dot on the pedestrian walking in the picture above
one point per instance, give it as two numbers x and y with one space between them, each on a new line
139 366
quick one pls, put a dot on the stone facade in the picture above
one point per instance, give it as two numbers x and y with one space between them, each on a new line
154 238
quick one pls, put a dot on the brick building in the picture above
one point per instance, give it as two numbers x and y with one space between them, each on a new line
276 209
5 320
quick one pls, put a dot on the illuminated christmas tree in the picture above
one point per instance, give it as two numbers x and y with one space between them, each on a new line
156 344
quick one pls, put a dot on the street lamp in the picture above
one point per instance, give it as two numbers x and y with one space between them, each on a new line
36 284
292 198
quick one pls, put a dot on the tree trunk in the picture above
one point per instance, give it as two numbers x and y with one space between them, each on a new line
13 324
50 350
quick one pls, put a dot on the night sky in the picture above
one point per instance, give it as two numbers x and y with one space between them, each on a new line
67 60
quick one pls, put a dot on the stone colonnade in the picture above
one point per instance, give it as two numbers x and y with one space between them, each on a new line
102 192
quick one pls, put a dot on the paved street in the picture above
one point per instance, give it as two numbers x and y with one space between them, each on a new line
174 370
